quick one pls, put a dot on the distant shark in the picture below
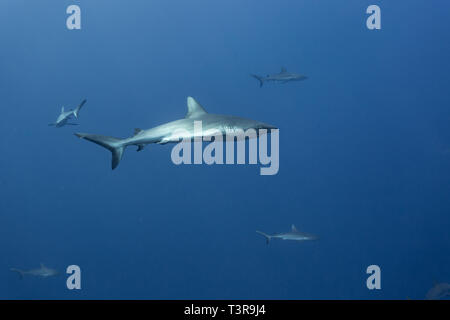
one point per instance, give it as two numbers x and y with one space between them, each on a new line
169 132
42 272
438 291
64 116
293 235
283 77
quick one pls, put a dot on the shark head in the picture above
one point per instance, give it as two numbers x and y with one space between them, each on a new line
258 126
299 77
262 125
44 271
195 111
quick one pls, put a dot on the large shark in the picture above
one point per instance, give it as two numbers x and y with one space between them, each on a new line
283 77
175 131
294 234
64 116
42 272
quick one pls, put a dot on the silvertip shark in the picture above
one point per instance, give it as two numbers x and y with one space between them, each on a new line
438 291
43 272
294 234
65 116
283 76
167 132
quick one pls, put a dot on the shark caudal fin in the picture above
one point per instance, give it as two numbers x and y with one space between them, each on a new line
75 112
114 145
20 272
259 78
265 236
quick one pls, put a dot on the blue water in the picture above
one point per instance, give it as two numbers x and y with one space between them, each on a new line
364 149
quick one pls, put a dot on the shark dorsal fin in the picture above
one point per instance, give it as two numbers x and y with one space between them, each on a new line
42 266
62 109
194 108
283 70
136 131
293 228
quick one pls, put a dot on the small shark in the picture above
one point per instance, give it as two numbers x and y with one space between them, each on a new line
42 272
169 132
438 291
293 235
66 115
283 77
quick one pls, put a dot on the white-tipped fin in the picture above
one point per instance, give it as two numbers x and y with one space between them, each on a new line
62 109
194 108
294 229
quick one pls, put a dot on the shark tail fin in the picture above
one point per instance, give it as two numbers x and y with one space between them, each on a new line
265 236
20 272
115 145
259 78
75 112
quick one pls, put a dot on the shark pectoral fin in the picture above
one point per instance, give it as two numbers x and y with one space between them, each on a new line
167 140
140 147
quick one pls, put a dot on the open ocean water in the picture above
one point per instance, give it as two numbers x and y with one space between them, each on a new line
364 149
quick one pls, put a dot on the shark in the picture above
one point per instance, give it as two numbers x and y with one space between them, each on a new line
176 131
294 234
42 272
283 76
65 116
438 291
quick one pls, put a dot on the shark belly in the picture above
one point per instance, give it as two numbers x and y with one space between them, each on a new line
183 129
61 123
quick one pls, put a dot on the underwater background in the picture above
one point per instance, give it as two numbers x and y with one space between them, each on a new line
364 149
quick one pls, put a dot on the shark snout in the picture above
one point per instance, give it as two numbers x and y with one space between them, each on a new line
268 126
